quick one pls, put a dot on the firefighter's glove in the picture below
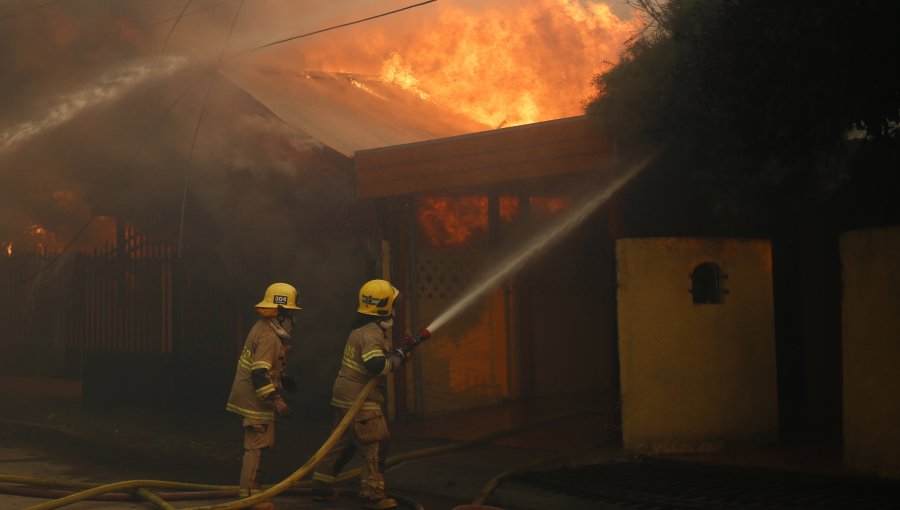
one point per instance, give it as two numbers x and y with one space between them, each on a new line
282 408
289 384
399 356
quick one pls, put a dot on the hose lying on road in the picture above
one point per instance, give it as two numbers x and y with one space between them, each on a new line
448 448
544 461
137 489
232 505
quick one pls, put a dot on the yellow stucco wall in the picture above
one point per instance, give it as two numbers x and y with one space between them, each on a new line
871 349
695 377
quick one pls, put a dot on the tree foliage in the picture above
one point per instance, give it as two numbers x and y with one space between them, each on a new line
762 100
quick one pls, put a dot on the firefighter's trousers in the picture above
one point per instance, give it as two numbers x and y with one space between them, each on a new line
257 438
368 433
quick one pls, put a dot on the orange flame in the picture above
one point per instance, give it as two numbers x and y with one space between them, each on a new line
41 238
9 249
63 198
517 62
449 221
37 230
548 205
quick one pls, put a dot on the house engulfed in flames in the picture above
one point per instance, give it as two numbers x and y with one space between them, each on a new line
443 211
445 198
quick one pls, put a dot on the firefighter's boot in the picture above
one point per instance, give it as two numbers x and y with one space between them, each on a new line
371 494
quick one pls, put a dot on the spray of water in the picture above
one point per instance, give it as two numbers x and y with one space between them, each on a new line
537 244
106 90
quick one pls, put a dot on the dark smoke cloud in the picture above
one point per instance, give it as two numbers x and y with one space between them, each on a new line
265 202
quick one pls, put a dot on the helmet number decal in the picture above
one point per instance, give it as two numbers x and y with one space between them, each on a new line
279 300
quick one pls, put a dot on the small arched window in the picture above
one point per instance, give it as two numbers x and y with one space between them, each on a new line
708 284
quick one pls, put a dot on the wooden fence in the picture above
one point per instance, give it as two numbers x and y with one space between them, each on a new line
101 316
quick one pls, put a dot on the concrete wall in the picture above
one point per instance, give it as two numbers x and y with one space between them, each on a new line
695 377
871 350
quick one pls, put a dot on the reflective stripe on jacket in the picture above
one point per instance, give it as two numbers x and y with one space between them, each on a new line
363 345
262 350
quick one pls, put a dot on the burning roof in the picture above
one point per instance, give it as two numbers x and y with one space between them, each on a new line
349 112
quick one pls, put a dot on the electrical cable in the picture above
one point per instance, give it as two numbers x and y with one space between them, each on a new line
388 13
27 10
175 24
166 20
187 172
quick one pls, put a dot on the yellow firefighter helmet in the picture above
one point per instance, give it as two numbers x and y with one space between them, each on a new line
377 297
280 294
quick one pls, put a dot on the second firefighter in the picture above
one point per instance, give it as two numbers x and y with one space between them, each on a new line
367 354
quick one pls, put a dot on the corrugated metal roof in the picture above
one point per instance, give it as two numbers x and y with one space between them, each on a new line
348 112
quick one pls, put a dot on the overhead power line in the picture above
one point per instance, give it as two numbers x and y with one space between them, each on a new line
13 14
342 25
175 24
212 81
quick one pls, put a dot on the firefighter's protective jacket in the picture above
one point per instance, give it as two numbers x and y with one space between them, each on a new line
368 346
262 350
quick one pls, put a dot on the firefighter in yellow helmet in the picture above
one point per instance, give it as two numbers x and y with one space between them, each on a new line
367 354
259 381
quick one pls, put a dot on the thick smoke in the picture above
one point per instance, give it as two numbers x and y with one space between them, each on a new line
98 120
100 103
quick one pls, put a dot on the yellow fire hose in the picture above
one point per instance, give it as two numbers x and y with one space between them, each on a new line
232 505
140 487
495 482
448 448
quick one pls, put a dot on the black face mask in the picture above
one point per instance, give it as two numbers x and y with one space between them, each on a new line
286 321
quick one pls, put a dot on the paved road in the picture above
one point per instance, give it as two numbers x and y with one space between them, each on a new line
25 460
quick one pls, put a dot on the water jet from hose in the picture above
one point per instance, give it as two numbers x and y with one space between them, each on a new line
535 245
109 88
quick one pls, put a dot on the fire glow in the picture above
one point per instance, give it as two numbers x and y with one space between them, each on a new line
501 63
528 62
41 238
451 221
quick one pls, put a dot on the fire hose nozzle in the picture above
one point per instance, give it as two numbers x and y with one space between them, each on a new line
412 341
